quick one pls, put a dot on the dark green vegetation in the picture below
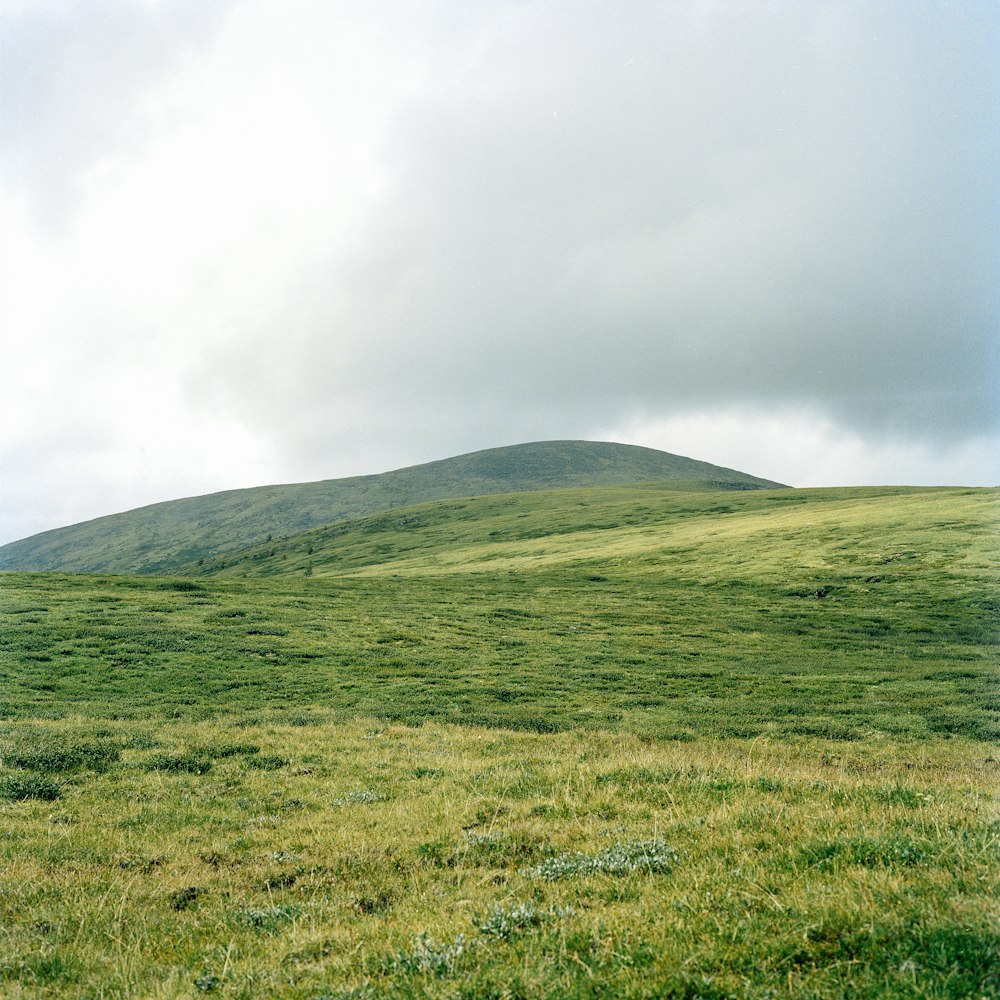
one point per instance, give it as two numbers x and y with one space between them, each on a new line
587 743
165 536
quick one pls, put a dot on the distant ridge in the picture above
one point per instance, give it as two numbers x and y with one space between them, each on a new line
163 537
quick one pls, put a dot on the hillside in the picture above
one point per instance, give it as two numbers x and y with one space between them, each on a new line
165 536
824 611
603 528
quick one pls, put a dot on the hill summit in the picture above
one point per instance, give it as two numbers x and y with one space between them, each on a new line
163 537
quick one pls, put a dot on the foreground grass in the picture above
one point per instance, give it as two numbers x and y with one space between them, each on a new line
602 744
366 860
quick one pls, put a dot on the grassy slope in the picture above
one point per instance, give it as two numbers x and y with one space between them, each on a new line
774 533
795 691
833 612
161 537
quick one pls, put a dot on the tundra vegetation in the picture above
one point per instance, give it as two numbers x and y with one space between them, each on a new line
614 742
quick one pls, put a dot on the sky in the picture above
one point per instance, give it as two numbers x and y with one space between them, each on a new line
246 242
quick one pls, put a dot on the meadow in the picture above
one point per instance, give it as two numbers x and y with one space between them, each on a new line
590 743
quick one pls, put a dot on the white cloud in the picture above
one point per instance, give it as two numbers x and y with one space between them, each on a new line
803 448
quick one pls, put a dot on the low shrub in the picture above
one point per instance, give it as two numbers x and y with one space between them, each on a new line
60 755
19 787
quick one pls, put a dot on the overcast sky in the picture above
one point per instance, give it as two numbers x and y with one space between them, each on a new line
285 240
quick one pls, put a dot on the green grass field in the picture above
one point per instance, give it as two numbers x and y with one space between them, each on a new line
601 743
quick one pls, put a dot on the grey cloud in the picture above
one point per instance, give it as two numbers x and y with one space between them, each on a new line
663 206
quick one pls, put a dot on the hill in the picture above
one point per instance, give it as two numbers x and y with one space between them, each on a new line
163 537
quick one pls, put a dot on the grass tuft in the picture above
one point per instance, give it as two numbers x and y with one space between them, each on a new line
426 955
506 922
630 858
268 918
